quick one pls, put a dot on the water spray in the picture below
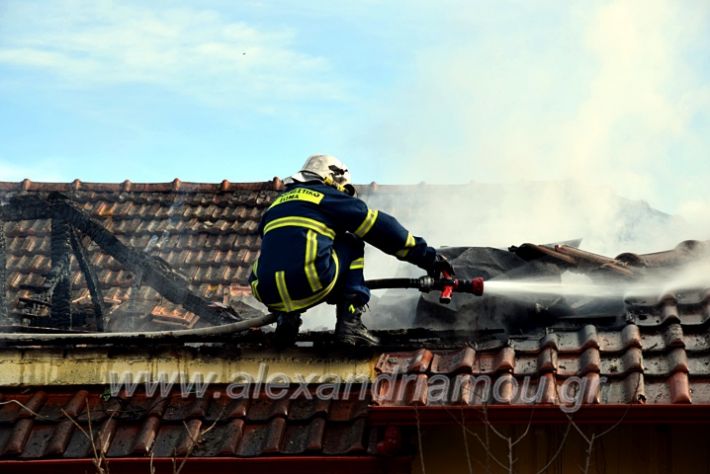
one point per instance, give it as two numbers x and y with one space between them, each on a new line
447 285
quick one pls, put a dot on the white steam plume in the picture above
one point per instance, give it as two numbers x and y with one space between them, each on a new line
552 130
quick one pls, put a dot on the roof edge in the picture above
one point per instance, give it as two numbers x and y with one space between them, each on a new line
173 186
312 463
537 414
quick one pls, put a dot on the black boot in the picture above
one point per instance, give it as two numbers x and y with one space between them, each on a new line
287 326
349 329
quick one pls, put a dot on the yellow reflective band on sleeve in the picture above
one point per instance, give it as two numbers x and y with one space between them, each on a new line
283 292
254 290
298 221
309 265
255 283
409 243
299 194
357 264
289 305
367 223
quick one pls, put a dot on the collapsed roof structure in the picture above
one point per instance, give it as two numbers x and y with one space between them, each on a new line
79 258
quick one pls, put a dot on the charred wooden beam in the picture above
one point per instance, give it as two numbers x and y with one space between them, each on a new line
92 282
59 280
156 273
3 275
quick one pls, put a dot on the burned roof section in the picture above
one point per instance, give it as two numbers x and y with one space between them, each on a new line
205 233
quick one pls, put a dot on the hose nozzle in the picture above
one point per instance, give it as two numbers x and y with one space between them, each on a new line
477 286
449 285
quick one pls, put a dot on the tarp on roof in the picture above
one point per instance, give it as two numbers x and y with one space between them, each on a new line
487 313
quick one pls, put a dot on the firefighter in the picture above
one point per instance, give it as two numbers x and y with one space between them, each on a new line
312 250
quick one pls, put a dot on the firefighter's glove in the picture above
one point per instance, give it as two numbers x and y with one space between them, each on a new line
440 265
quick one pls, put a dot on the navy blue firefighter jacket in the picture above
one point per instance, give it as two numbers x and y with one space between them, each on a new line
298 266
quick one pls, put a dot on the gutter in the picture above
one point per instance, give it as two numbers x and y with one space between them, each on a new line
637 414
198 465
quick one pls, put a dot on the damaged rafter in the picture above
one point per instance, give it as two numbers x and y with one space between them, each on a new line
156 273
59 284
3 274
92 282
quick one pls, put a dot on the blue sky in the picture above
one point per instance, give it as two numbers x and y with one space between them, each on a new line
613 93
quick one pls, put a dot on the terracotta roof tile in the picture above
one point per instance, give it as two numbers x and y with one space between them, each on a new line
407 362
222 440
304 409
11 412
546 361
123 437
186 409
666 364
79 445
224 408
36 442
679 388
345 438
174 426
590 361
261 438
347 410
303 438
452 362
176 440
265 409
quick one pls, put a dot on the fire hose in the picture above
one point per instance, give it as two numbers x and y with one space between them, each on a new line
133 337
447 285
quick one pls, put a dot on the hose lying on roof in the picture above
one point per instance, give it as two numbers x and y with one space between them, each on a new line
423 284
125 337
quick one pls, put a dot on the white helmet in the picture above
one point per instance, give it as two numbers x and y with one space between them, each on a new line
325 168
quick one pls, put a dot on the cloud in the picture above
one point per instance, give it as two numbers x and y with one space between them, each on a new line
195 52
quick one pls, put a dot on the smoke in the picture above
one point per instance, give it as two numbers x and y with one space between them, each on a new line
607 94
556 123
580 125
